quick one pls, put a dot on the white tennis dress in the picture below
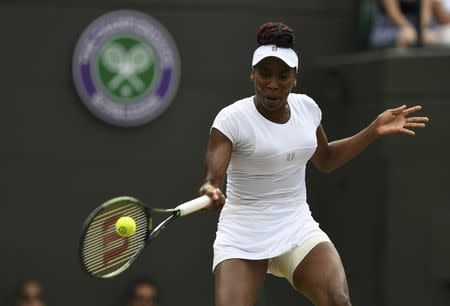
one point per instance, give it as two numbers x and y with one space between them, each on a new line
266 213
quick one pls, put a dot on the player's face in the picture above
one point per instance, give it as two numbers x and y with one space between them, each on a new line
144 295
273 81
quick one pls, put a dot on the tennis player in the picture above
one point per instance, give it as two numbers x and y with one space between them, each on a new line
263 143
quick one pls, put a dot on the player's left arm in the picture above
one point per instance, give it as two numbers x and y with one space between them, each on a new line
329 156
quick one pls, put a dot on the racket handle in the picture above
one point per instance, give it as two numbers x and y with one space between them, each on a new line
193 205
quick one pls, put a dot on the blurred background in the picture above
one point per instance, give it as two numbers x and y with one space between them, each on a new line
387 211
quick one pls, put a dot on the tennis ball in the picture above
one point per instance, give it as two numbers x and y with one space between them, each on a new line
125 226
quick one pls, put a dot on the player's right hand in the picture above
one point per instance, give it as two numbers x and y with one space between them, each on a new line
215 194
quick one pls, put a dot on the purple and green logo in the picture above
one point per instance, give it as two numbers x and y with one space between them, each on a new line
126 68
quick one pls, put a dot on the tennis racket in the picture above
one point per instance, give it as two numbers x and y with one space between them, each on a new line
105 254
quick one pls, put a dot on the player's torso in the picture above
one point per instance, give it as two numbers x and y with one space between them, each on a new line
266 147
268 161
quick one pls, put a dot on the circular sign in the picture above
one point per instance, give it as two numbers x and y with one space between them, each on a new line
126 68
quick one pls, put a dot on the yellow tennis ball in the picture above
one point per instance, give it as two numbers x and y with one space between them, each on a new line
125 226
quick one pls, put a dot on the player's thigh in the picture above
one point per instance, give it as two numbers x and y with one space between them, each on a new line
238 281
321 277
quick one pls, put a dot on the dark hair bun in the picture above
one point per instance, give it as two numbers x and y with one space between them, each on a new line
276 33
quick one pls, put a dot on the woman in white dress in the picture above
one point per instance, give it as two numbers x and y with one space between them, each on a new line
263 143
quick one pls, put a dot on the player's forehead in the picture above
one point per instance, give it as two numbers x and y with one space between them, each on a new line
272 63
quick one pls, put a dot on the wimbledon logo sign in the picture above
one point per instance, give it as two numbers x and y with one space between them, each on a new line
126 68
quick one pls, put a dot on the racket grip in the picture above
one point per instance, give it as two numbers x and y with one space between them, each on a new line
193 205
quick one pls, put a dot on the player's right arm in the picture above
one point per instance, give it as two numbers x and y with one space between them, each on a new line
217 159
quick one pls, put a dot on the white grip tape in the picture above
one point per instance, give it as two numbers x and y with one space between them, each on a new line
193 205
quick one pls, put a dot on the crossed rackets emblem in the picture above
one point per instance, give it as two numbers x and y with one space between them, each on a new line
126 65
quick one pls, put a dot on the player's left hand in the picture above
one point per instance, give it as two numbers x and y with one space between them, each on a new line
393 121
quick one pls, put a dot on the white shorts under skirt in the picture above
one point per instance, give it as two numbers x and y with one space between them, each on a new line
285 264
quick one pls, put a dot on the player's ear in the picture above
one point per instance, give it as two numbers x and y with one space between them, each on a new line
252 75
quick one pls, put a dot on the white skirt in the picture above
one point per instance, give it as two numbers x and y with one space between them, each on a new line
263 230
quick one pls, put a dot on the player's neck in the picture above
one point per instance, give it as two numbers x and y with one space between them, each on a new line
280 115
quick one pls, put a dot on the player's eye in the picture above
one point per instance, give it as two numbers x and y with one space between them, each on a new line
264 75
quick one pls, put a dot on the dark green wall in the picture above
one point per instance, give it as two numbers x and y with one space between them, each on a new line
393 200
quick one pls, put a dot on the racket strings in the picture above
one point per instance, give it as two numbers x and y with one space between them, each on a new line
97 230
91 250
111 259
114 264
111 212
103 251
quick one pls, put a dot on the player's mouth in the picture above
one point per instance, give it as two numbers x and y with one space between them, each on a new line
272 103
271 98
